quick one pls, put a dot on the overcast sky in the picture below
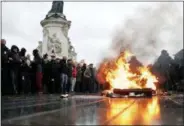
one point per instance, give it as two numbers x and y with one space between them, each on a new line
93 24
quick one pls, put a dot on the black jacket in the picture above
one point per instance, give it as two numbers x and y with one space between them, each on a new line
46 68
37 63
83 69
24 66
15 60
63 67
54 68
92 73
70 69
4 55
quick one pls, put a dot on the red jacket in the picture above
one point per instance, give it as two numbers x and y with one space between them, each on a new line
74 72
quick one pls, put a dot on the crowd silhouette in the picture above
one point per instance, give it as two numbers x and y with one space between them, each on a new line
21 75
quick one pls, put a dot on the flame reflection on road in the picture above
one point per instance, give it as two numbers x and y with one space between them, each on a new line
143 111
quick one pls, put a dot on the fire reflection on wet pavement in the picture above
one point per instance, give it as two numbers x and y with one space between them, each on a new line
90 110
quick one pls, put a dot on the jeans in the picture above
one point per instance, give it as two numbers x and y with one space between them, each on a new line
14 76
73 81
64 81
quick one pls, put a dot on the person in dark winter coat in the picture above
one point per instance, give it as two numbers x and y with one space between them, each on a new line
29 81
24 73
163 66
38 70
4 54
93 85
5 84
58 80
53 75
64 76
78 79
15 62
87 80
70 66
46 74
83 69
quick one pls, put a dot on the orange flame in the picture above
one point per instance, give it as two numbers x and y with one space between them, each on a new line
118 74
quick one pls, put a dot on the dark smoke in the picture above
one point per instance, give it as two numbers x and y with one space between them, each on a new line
150 30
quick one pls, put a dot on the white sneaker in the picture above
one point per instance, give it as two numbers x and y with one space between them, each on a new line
62 95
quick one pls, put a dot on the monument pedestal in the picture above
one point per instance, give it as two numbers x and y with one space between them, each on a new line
55 34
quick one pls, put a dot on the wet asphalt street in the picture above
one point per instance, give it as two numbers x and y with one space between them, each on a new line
91 110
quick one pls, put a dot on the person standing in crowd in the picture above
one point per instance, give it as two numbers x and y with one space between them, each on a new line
5 68
38 70
46 73
70 66
64 76
24 69
92 84
74 75
15 62
78 79
83 78
28 62
87 80
58 80
98 85
53 75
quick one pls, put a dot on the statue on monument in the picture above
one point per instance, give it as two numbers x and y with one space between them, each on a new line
57 7
56 39
54 44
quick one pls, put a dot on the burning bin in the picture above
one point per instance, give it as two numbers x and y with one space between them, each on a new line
146 91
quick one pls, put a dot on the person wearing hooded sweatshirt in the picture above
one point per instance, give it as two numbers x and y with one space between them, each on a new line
4 68
37 62
15 62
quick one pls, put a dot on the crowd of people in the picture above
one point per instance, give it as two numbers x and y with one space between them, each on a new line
170 71
21 75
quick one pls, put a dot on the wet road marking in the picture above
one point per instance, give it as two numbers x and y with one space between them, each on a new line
48 112
115 116
178 103
28 100
24 98
27 106
34 102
